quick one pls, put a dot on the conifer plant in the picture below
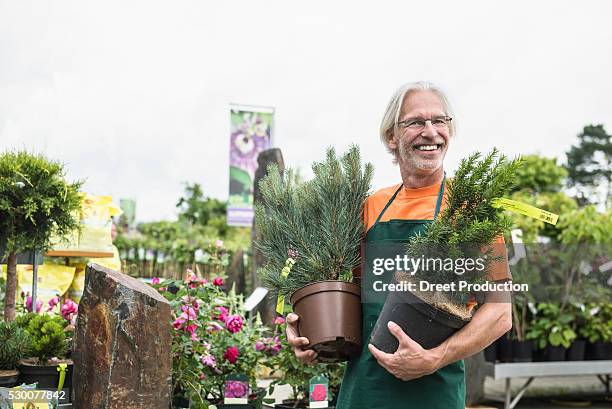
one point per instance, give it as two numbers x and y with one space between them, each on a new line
310 238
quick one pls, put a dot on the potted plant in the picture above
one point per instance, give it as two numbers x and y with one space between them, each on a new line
465 229
50 341
597 330
36 203
288 370
212 340
14 345
552 332
310 239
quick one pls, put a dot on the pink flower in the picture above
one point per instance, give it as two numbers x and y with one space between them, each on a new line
29 304
202 376
189 313
233 323
222 313
190 277
231 354
192 330
155 280
260 346
178 323
279 320
162 289
318 393
53 302
218 281
209 360
219 243
68 309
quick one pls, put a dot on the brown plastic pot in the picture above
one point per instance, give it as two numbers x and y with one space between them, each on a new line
330 317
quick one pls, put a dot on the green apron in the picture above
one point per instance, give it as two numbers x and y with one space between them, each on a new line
366 384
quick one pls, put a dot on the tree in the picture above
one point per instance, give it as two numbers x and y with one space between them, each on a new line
36 203
539 174
196 209
588 165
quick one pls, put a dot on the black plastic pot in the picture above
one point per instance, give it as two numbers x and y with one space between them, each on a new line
490 352
426 324
504 348
551 354
9 378
522 351
576 351
47 377
598 351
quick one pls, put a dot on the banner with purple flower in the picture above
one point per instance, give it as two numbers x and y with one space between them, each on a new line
251 133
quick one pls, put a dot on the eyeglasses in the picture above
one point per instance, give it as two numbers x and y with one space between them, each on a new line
418 124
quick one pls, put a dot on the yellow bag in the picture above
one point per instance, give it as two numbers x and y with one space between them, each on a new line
96 222
53 279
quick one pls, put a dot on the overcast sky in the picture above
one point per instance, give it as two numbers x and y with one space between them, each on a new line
134 95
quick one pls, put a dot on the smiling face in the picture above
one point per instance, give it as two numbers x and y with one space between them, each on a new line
422 151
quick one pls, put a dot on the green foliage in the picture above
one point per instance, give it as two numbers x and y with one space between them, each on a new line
49 339
319 222
555 202
539 174
14 344
36 202
596 326
551 326
586 225
589 164
470 221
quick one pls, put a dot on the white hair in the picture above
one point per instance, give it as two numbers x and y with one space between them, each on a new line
388 126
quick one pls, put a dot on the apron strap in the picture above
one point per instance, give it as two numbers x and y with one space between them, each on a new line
438 202
440 196
388 204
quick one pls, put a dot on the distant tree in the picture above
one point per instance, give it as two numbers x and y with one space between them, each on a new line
589 165
196 209
539 174
36 202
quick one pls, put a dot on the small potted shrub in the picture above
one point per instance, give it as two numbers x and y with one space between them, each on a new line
288 370
468 225
551 329
310 238
14 345
50 341
597 330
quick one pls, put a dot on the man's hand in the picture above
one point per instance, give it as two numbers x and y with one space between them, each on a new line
309 356
410 361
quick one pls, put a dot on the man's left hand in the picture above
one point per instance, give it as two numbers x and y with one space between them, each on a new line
411 360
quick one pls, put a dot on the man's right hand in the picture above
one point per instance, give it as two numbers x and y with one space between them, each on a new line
297 343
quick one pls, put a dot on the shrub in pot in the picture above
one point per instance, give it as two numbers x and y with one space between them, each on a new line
14 345
596 329
288 370
315 229
50 340
552 332
465 229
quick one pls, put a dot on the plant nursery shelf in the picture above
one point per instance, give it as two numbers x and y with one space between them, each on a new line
79 253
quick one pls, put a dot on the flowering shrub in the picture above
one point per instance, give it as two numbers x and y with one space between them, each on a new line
212 339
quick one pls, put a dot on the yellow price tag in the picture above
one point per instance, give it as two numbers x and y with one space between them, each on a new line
280 302
526 210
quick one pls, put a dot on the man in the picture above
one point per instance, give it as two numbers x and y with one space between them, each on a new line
417 129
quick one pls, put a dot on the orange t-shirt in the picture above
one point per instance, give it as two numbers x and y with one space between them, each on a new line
420 204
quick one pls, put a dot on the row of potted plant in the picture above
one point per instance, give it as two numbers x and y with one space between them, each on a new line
558 333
